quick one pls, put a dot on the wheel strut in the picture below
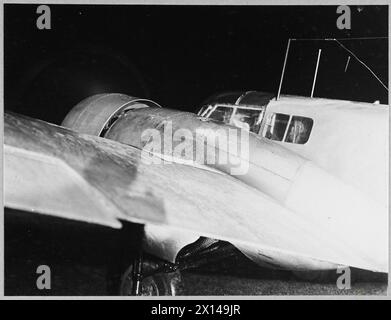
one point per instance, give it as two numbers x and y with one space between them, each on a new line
137 274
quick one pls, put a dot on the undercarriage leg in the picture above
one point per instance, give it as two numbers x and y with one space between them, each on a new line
137 274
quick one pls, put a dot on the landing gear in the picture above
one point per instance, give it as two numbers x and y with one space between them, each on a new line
150 276
130 271
136 274
147 278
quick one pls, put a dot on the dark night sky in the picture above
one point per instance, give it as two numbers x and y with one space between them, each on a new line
180 55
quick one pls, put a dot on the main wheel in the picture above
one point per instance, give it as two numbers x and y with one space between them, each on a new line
157 284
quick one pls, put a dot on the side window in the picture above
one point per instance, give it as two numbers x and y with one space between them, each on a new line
295 129
222 114
275 127
299 130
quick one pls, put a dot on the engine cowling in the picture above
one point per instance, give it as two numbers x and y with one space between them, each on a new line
94 115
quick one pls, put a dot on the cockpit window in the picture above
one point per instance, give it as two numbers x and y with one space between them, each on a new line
292 129
299 130
204 110
276 126
222 114
248 119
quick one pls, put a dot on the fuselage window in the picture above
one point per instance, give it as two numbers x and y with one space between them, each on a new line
291 129
299 130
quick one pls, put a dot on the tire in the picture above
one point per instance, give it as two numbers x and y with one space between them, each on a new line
159 284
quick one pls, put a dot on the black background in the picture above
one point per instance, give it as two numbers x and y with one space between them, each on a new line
180 55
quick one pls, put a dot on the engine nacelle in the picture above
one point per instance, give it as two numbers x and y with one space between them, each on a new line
94 115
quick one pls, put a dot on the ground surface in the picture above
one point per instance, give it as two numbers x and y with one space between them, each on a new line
78 257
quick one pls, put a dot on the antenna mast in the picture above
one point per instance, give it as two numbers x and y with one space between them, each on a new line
283 68
316 73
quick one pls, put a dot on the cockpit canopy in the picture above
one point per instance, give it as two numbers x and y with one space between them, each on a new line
243 110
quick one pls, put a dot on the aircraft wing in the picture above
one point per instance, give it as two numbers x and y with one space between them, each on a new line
51 170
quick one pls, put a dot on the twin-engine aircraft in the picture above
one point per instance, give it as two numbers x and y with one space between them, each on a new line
294 183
